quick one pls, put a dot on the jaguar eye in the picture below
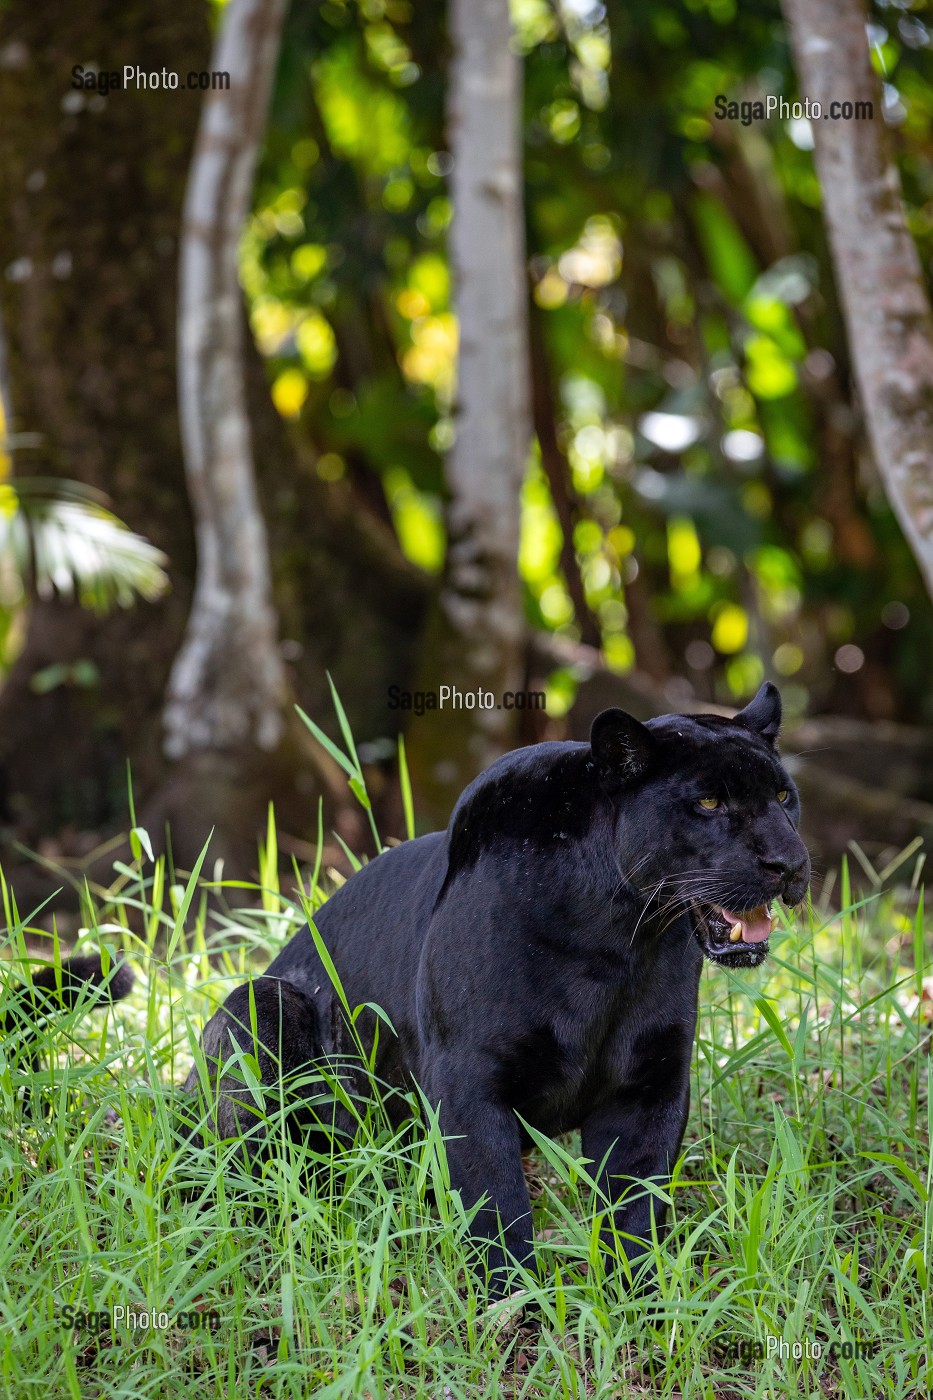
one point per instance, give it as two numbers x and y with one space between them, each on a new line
710 803
783 795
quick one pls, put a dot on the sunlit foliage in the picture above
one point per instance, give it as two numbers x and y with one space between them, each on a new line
679 280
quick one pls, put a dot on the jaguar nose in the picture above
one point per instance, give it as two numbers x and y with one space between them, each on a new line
787 871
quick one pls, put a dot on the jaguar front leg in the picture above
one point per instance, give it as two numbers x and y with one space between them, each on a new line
633 1139
484 1157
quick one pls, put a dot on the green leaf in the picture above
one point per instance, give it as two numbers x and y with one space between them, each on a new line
404 778
328 962
774 1021
139 842
327 744
344 723
50 677
358 788
185 905
901 1166
728 255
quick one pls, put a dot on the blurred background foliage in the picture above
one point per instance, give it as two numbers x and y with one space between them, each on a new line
687 340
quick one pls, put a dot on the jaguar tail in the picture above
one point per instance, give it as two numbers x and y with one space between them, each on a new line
55 989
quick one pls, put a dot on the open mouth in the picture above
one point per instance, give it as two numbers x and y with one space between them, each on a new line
739 938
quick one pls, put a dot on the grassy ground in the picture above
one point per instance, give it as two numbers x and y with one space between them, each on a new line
801 1205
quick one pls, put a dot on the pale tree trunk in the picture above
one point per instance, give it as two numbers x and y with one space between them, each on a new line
228 721
484 470
475 638
228 688
877 268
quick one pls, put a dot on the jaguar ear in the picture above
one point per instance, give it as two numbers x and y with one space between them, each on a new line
622 747
763 714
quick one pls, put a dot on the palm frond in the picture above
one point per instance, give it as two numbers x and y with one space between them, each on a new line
61 537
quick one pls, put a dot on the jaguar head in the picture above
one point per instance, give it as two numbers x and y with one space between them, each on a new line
706 820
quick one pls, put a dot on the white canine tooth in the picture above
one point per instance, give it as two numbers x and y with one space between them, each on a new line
774 922
735 933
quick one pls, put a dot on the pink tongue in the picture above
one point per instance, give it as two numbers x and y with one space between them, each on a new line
756 924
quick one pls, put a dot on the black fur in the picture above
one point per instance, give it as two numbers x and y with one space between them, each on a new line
57 989
277 1023
542 957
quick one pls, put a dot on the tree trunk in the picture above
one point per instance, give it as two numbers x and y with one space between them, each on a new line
877 268
91 193
227 691
91 188
475 636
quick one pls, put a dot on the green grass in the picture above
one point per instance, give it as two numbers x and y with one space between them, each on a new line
801 1205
